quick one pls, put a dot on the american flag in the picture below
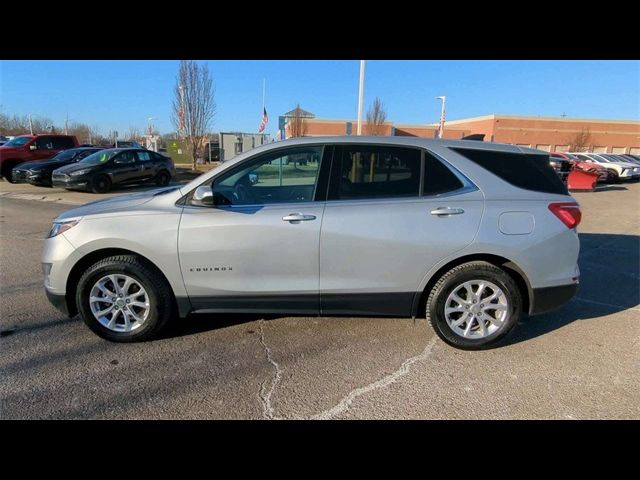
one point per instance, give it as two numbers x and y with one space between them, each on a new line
265 119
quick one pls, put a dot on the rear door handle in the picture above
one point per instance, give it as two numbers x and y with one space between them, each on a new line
298 217
447 211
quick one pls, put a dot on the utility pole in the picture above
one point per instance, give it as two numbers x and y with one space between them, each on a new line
360 97
30 125
442 113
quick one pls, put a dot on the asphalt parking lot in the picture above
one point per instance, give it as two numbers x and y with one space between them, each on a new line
580 362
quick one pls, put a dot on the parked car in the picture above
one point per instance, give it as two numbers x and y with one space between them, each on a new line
101 171
383 226
39 172
604 175
561 165
619 170
26 148
621 158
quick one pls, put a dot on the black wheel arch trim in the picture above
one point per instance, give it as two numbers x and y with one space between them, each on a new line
420 297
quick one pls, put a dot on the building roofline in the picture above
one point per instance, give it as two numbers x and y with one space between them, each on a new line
498 116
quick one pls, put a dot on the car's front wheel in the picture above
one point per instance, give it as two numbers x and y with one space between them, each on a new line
123 299
101 184
163 179
474 305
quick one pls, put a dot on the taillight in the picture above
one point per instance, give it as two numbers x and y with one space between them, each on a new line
568 213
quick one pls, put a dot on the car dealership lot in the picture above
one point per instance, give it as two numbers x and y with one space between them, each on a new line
578 362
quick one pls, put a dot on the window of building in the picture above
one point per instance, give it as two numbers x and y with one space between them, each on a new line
562 148
619 150
544 147
600 149
375 172
238 146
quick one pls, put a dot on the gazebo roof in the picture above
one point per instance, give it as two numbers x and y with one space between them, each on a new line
302 113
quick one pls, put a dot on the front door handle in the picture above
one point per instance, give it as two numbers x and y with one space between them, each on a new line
447 211
298 217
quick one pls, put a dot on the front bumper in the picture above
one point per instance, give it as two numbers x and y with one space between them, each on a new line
19 176
38 178
58 300
551 298
69 182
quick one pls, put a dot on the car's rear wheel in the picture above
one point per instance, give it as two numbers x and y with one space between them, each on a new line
122 299
101 184
163 178
474 305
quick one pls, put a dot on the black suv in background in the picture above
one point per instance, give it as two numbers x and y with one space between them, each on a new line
39 172
107 168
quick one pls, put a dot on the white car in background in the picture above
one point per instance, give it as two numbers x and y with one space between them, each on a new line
620 170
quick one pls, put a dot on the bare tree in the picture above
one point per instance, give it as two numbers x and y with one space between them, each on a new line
297 124
193 104
376 116
134 133
580 141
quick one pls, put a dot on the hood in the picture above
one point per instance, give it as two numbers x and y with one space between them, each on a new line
124 204
74 167
627 165
43 163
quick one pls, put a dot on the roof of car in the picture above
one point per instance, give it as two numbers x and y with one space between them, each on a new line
409 141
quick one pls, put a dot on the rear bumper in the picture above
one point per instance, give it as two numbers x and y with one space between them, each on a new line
550 298
59 301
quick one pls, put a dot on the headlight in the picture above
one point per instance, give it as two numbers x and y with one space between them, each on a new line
79 172
61 227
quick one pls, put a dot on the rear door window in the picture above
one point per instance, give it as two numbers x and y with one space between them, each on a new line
522 170
371 172
438 178
62 143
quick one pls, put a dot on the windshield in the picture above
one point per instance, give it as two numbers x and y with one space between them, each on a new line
65 155
17 142
99 158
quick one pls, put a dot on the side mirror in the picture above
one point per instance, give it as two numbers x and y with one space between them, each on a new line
203 195
33 147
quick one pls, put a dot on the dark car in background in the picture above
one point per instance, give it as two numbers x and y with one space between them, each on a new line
39 172
103 170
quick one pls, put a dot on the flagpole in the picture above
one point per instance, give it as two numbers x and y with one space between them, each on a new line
264 87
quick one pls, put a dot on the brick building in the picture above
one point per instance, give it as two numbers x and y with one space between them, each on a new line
553 134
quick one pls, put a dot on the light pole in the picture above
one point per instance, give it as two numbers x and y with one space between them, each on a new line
30 125
441 128
360 97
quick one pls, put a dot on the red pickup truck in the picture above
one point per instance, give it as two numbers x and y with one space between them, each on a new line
26 148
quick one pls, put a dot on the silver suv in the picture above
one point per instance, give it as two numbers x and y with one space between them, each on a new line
471 235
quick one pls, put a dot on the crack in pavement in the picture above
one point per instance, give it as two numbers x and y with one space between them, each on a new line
346 402
265 396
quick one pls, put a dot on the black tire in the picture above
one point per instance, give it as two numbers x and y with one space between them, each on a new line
101 184
7 167
163 178
613 176
476 270
161 299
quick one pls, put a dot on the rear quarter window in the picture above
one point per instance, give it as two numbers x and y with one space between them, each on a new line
522 170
